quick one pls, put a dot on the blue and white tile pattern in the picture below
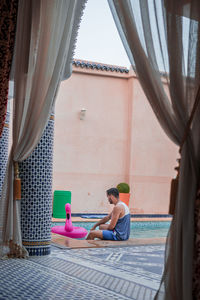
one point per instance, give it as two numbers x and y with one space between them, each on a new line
85 274
36 204
4 150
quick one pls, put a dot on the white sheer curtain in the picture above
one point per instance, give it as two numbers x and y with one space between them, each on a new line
45 38
163 38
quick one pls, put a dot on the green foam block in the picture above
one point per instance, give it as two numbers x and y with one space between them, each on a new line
60 198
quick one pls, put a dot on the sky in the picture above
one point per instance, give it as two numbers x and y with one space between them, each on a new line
98 38
99 41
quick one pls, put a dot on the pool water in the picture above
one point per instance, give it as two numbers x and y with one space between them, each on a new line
143 229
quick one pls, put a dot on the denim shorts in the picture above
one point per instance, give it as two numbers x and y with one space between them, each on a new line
109 235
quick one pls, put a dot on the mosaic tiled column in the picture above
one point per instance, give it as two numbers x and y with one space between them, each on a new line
4 150
36 204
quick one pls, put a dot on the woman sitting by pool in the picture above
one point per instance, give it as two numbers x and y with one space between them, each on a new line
119 227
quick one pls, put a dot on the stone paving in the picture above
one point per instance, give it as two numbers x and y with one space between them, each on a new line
69 243
79 219
128 272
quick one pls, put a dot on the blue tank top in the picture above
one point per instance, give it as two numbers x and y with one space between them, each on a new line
122 228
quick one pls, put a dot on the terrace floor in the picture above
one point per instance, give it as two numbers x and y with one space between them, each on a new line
79 219
87 270
98 270
68 243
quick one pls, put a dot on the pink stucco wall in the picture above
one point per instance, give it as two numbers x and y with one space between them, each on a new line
119 140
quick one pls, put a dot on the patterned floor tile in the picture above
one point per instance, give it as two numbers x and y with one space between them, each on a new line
85 274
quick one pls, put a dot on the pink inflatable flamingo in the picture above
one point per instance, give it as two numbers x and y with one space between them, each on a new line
69 230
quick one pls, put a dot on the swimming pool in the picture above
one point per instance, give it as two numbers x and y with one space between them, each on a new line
144 229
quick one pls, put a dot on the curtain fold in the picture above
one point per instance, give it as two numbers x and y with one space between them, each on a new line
45 38
162 40
8 20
